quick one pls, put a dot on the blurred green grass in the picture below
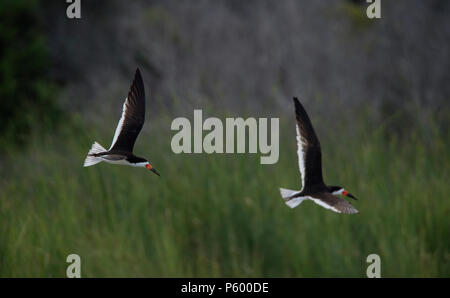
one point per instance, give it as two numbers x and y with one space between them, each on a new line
221 215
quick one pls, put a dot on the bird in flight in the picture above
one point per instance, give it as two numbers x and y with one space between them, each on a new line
310 164
130 124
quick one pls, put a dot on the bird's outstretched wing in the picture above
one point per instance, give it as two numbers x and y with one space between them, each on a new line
329 201
133 117
309 153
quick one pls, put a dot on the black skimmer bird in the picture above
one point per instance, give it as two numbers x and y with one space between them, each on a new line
130 124
310 164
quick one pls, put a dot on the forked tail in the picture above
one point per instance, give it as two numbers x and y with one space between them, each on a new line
92 160
287 194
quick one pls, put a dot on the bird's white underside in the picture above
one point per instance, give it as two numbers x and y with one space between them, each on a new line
120 124
124 162
117 162
286 194
97 148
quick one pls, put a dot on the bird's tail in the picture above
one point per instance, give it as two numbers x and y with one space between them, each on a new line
287 194
92 160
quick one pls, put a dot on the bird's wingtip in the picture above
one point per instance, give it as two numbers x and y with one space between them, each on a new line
296 101
138 76
353 211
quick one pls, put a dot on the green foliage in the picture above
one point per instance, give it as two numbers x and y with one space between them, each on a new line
26 92
222 215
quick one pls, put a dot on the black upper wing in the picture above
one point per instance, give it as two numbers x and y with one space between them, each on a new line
133 116
309 153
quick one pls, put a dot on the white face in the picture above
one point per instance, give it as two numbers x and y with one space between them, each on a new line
338 192
141 164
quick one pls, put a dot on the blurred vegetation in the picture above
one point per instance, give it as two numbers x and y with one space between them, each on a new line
222 215
27 93
231 53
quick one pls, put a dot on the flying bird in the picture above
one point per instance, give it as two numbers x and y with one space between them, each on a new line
310 164
130 124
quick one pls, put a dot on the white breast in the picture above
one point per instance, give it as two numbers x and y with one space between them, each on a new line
123 162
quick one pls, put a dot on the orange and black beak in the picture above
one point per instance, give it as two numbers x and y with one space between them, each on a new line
347 194
149 167
154 171
351 196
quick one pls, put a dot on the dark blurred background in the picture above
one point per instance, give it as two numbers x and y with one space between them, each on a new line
233 55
